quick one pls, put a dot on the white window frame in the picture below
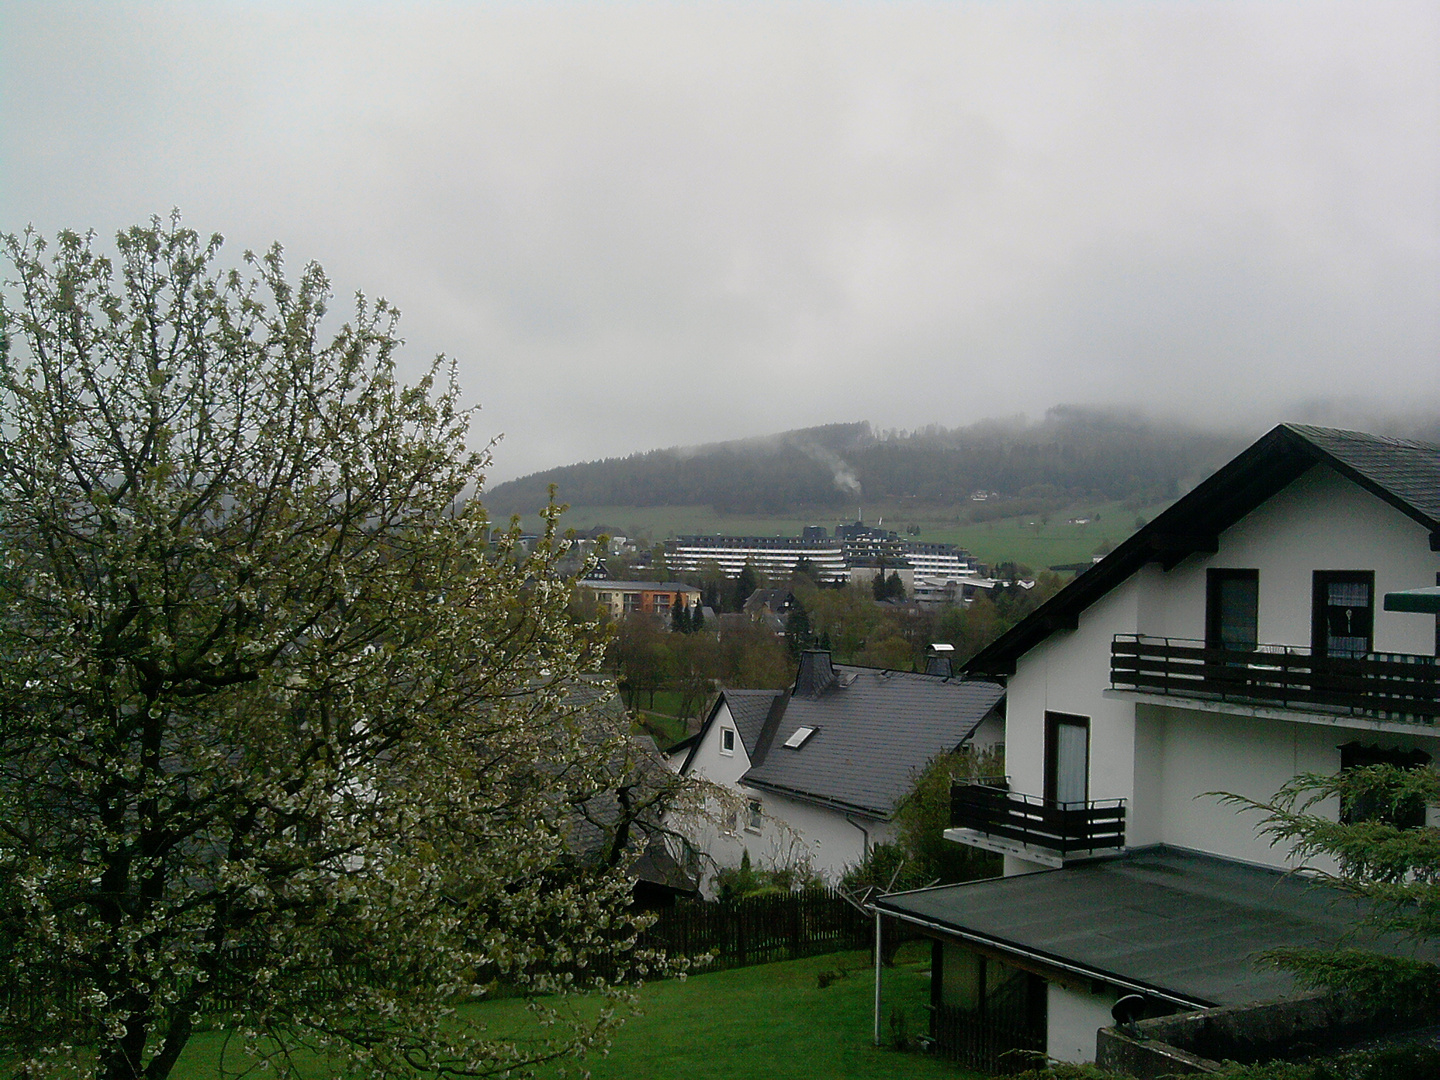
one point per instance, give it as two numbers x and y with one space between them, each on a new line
754 816
727 741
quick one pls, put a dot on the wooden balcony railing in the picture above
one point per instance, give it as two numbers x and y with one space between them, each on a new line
1389 686
987 807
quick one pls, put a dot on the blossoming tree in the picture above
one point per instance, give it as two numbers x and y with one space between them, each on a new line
287 737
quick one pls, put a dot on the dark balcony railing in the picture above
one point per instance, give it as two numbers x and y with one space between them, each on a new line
987 807
1390 686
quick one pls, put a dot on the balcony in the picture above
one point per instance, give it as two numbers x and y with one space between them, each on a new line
986 814
1380 686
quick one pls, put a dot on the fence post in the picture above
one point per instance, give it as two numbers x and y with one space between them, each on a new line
796 920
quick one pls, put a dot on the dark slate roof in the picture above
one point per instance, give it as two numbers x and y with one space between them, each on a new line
1402 472
1178 923
874 731
750 708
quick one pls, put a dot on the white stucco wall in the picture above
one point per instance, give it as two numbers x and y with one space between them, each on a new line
792 830
1162 759
710 761
1072 1017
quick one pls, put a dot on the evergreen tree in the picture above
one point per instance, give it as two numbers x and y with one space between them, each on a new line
697 618
798 637
745 584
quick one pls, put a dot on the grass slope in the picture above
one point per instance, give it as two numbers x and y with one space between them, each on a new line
771 1022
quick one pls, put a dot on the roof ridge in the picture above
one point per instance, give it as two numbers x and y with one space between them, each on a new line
1306 430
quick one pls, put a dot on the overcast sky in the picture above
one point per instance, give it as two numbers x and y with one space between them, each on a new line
637 225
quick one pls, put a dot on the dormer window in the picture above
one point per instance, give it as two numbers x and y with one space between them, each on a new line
727 740
797 740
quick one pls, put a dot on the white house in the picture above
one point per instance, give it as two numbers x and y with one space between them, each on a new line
819 770
1237 640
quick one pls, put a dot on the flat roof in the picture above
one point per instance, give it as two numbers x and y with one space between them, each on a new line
1186 925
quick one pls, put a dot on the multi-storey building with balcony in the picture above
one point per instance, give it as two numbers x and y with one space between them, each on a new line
855 552
1239 639
774 556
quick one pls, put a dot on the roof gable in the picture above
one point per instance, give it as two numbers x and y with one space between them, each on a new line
1402 472
749 709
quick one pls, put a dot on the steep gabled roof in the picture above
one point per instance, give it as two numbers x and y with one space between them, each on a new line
749 709
873 731
1402 472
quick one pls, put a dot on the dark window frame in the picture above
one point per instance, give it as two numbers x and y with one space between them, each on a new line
1053 722
1319 604
1215 581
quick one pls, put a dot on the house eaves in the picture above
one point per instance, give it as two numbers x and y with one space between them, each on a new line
1404 473
872 812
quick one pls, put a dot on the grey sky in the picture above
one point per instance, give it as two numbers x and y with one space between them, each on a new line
647 224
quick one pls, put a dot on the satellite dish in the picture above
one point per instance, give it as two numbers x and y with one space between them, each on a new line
1127 1010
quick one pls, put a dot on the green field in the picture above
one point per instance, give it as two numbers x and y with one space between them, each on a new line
1028 540
771 1022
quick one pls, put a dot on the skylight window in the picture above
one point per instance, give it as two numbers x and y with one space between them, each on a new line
794 742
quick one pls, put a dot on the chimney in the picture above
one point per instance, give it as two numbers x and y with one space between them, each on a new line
815 675
937 660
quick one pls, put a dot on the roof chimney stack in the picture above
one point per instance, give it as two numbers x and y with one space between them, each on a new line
938 660
816 675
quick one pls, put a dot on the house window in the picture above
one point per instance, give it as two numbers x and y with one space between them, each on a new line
631 602
754 818
1067 758
797 740
1407 815
662 602
727 740
1343 613
1232 609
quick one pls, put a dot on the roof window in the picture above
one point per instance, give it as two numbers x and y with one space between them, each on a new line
797 740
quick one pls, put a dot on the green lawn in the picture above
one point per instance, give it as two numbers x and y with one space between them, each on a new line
665 729
771 1022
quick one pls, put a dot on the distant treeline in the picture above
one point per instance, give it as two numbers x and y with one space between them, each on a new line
1073 453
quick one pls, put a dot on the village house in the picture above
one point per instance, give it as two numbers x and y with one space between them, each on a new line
1239 639
819 770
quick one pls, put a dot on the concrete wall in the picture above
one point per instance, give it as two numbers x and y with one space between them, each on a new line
1072 1017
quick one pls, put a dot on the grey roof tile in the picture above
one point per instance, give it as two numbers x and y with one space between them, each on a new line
874 731
750 708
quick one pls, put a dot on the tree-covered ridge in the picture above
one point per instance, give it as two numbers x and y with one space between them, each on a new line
1072 453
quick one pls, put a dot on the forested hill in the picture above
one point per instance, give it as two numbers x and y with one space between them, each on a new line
1073 452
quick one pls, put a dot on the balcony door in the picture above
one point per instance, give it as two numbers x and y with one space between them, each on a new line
1232 609
1343 614
1067 758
